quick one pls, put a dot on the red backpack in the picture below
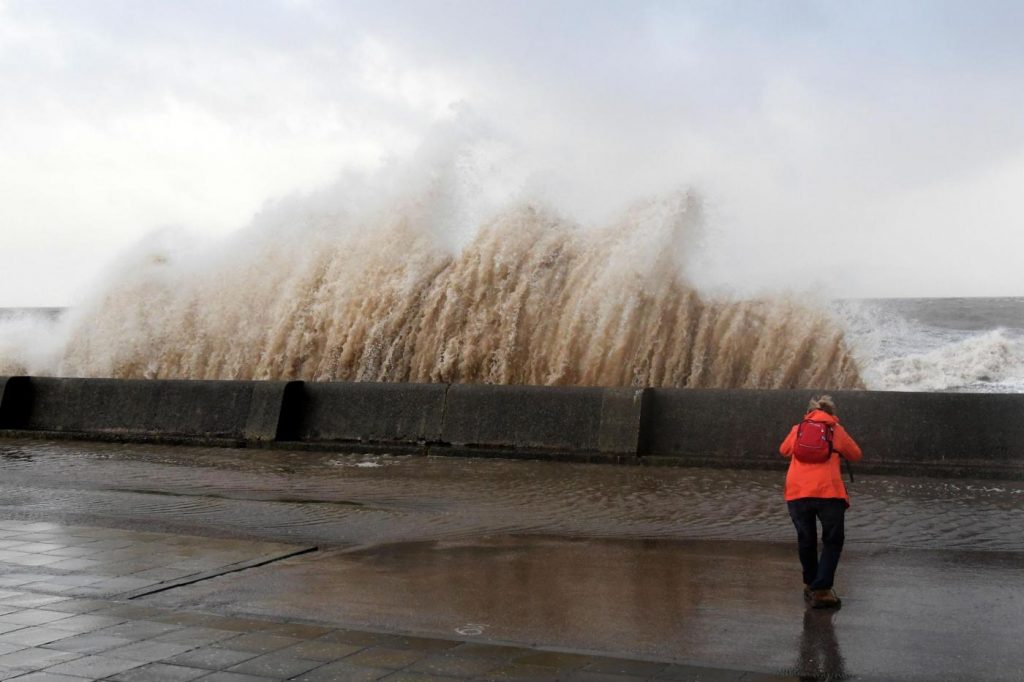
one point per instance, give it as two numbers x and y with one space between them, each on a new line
813 442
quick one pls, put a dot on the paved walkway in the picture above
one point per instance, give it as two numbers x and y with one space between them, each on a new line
567 565
67 613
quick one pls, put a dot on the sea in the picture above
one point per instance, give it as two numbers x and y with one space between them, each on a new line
972 345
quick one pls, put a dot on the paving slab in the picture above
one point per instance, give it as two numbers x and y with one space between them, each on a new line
124 563
278 665
212 658
159 672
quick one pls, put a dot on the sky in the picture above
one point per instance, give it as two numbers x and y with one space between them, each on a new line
864 149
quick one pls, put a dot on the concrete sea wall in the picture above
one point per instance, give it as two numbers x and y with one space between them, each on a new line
213 411
932 433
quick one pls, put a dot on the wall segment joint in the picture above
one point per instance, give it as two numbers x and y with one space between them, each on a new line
621 421
15 401
266 409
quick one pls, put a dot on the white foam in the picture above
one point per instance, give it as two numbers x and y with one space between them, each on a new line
992 362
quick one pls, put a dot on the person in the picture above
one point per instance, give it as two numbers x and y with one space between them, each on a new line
815 493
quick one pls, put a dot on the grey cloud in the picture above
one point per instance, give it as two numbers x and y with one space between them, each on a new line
794 116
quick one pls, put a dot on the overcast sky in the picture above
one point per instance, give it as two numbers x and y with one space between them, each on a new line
888 137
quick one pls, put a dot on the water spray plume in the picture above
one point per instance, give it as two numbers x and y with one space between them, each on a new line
394 277
531 299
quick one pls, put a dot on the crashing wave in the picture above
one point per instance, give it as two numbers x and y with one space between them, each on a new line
984 360
322 289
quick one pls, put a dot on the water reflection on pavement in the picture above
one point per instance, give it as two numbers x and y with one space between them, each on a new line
820 656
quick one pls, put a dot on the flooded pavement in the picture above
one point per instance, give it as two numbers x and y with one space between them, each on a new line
685 565
59 623
344 500
919 615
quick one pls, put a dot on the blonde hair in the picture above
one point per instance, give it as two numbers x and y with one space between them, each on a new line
823 403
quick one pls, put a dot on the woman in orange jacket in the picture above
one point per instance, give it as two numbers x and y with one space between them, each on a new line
815 492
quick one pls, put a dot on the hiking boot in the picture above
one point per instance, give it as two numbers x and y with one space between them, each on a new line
825 599
807 593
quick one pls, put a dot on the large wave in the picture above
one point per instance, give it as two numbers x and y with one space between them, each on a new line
317 289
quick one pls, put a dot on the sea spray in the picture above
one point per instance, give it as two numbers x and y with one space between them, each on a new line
30 340
374 296
433 270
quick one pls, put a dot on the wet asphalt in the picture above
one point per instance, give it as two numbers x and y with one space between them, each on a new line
673 565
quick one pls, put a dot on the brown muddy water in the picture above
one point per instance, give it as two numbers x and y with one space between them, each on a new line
338 500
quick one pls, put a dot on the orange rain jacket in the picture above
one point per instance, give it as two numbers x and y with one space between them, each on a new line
819 479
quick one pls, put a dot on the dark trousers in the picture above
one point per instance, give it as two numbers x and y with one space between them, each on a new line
819 572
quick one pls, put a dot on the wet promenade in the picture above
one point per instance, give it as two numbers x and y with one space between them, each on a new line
480 569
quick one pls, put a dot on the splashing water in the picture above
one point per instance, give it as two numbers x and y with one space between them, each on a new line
961 345
326 292
992 361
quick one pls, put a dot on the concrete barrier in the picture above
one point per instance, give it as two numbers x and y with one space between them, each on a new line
941 433
957 433
711 426
367 413
154 408
538 419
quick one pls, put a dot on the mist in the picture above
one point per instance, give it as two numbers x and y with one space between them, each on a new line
884 138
